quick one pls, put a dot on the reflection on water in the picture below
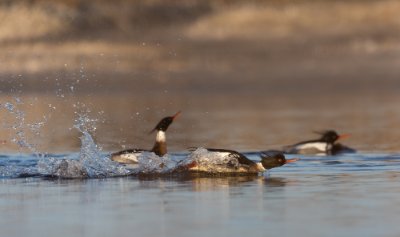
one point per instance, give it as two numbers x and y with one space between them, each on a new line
276 182
344 204
200 184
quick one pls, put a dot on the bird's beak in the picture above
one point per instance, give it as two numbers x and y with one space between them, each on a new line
176 115
343 136
291 160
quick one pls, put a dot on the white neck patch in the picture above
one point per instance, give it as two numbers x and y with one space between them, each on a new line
160 136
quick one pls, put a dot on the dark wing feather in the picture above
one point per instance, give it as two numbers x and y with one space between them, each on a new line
239 156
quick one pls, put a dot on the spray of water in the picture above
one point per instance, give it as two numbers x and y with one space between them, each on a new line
91 163
21 127
150 163
96 164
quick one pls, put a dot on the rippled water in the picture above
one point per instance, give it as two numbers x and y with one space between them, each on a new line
349 195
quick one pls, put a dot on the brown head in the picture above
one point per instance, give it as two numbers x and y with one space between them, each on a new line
331 136
274 160
165 122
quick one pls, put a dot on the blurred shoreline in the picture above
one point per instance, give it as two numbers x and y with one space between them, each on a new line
169 36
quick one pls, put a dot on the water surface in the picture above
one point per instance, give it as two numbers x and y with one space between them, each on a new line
348 195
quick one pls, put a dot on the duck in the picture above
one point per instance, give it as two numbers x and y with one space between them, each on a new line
224 161
339 148
325 145
130 156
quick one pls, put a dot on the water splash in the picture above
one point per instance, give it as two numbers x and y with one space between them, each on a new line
91 163
150 163
21 127
14 166
96 164
17 171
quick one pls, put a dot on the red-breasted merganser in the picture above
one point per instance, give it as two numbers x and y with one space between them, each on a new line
324 145
130 156
339 148
223 161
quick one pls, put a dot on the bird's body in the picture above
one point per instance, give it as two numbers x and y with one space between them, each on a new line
309 147
223 161
323 146
131 156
